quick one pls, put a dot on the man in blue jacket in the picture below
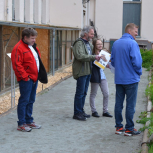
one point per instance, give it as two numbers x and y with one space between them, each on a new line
126 59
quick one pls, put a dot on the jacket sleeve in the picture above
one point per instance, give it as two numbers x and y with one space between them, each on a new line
17 63
112 57
79 53
136 58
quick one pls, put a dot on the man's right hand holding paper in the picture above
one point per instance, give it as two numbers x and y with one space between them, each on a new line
101 57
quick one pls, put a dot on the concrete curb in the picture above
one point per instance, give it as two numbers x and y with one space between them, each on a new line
145 135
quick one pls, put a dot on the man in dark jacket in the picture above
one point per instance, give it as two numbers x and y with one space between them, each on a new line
28 69
82 50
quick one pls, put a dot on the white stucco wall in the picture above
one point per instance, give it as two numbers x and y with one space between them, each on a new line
92 10
67 13
8 10
146 20
19 10
29 11
108 18
2 8
45 11
37 11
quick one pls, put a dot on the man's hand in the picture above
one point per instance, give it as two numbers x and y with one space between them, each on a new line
98 57
107 66
103 58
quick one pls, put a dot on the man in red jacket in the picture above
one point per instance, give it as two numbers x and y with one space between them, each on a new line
28 69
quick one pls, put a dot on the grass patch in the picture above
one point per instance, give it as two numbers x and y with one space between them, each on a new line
150 147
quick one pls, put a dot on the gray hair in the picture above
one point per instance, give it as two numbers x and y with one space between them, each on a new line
86 29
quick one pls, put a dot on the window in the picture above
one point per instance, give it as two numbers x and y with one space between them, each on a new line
13 10
131 14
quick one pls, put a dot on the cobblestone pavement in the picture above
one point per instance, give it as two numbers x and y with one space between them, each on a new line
53 109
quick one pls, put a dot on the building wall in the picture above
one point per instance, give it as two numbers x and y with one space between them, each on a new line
92 10
66 13
2 8
10 36
108 19
19 10
42 42
146 20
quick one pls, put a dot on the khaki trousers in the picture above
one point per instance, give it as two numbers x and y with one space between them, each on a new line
105 91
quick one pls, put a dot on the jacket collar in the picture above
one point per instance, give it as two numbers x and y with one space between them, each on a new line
85 40
128 35
27 44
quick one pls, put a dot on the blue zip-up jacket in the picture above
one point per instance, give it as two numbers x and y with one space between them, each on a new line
127 60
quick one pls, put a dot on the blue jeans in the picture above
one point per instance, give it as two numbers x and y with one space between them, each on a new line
26 100
130 91
81 92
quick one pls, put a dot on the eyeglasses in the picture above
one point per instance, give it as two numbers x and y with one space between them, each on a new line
99 44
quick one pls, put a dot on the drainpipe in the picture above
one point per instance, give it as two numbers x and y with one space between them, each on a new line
53 61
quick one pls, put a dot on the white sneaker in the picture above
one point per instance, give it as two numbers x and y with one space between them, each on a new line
34 126
24 128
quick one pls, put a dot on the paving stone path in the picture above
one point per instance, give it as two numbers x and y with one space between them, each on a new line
53 109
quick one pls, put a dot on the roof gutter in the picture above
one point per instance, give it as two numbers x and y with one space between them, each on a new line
15 24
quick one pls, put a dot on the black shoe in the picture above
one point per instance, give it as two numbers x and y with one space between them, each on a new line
131 133
95 114
80 117
107 114
85 115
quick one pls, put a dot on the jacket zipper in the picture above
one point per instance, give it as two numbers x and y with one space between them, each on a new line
27 68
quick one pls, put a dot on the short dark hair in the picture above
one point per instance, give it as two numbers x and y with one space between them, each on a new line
28 32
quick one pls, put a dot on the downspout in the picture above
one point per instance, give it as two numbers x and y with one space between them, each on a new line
53 61
94 13
88 9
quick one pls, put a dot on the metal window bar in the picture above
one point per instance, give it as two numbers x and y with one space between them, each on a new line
12 88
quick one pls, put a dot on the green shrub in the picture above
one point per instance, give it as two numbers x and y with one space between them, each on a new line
150 148
147 56
150 129
149 92
143 120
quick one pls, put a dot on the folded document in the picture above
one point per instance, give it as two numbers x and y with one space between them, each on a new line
101 63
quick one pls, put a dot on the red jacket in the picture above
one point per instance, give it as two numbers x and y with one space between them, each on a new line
23 62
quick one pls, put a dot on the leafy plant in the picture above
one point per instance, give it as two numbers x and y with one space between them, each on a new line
149 92
147 56
150 147
143 120
150 129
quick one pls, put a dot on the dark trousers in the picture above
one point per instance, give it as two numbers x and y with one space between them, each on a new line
26 100
130 91
81 92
